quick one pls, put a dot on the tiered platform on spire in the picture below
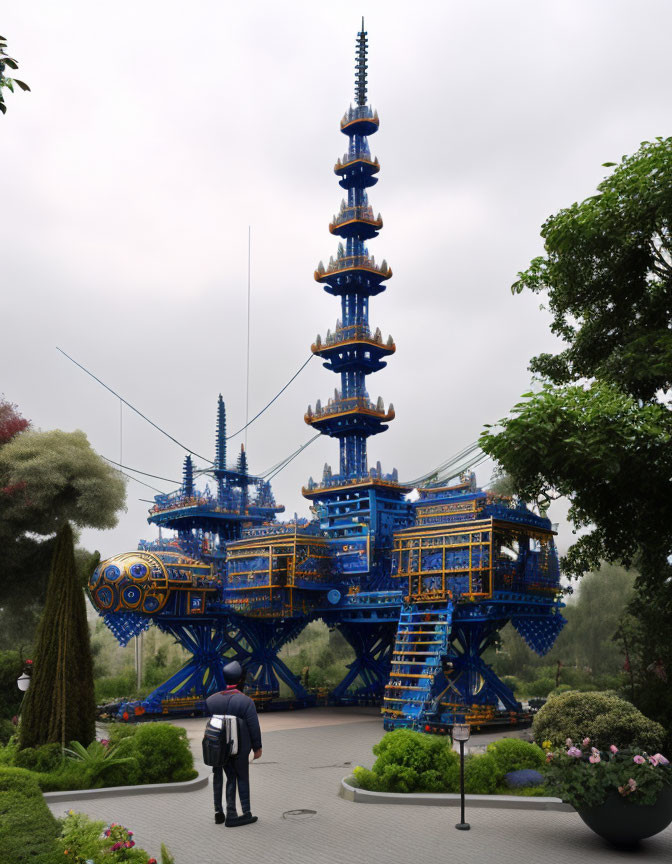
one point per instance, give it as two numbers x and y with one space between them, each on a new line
350 348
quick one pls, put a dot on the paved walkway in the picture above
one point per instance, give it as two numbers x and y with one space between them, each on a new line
301 769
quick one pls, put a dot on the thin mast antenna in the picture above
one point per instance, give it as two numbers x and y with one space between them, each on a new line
121 432
247 383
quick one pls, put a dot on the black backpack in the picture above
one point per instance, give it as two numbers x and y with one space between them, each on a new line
220 740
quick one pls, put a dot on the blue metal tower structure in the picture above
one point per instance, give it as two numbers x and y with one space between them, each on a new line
419 588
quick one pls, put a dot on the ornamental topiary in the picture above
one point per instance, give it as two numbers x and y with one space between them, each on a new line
603 717
513 754
59 705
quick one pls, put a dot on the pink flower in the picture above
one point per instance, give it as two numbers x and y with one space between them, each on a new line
638 760
586 742
115 846
569 742
632 784
614 749
575 752
595 758
660 759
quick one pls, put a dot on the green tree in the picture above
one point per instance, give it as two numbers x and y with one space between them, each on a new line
45 479
599 428
5 80
60 705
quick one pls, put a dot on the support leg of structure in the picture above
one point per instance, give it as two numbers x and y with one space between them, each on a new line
372 643
264 639
212 645
471 681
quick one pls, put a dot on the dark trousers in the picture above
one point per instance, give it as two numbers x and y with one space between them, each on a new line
237 772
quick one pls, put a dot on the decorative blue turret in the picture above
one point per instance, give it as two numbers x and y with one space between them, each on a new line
220 448
188 477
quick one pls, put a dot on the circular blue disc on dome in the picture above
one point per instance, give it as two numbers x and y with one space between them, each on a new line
334 596
151 604
112 572
131 595
139 571
95 577
104 596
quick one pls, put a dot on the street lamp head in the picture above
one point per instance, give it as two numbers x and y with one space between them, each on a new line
461 732
23 682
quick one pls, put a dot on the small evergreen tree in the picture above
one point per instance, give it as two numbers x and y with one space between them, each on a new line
60 704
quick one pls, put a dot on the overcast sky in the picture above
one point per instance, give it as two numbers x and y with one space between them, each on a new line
156 132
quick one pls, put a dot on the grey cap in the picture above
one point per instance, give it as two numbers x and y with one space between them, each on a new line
232 672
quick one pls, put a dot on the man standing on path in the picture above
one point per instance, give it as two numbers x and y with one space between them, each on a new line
234 702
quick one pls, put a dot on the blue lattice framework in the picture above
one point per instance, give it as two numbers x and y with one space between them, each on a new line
419 589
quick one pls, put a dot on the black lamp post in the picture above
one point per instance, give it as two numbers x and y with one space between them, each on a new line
461 734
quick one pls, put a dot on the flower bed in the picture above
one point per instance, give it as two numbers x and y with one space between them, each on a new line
418 763
131 756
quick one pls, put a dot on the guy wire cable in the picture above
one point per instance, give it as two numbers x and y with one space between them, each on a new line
144 473
142 482
163 431
279 393
293 456
133 408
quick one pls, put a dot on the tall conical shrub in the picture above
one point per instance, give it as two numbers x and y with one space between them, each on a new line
60 704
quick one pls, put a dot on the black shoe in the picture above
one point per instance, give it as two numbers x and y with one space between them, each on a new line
220 818
245 819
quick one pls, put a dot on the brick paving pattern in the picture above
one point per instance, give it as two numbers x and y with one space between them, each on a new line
301 769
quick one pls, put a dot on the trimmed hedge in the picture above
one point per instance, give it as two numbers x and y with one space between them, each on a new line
603 717
28 831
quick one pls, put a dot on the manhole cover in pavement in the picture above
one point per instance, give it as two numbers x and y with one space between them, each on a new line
299 814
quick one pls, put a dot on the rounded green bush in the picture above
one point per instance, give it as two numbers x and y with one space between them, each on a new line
482 774
162 751
46 757
513 754
603 717
411 762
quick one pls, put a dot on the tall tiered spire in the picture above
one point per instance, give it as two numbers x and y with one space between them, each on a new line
354 276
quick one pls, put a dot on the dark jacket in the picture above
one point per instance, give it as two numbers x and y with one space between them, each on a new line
232 701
